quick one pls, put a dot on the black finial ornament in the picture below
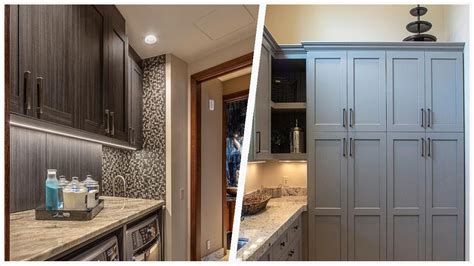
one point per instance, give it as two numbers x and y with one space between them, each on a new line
419 26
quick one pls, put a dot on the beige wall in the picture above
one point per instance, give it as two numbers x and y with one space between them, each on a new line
211 167
275 173
290 24
176 230
236 84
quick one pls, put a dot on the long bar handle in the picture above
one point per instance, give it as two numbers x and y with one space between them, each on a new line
39 87
350 147
429 147
422 117
422 147
344 147
107 121
343 117
26 94
429 117
112 130
351 117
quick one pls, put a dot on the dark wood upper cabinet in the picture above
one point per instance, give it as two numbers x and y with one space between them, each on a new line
46 36
117 78
135 104
69 66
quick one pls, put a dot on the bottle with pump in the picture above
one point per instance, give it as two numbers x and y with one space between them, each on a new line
51 190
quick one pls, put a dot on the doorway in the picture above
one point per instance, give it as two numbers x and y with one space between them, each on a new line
197 81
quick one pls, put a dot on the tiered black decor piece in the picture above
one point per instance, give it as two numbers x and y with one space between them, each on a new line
419 26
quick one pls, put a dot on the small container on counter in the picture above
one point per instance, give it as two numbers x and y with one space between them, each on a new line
61 185
92 187
75 195
51 190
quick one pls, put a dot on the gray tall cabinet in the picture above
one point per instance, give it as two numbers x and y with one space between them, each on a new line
385 147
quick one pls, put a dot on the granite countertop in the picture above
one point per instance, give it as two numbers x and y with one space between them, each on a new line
32 239
264 228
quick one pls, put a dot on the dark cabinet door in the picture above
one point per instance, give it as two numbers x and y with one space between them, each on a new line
117 67
91 84
135 104
46 38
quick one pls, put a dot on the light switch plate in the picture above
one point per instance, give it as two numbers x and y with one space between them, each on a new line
208 244
211 104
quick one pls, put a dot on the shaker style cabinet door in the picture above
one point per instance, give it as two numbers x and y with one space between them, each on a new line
406 91
444 91
367 196
445 196
406 154
135 134
327 91
327 200
366 91
262 133
117 68
92 85
47 49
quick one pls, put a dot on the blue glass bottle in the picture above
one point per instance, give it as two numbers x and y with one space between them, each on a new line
51 190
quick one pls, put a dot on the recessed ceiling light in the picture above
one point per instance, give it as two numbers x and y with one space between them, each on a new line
150 39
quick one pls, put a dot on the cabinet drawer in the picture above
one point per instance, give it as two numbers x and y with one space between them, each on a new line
295 229
280 246
266 256
293 252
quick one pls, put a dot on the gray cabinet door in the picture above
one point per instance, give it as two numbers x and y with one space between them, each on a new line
327 91
445 196
405 91
444 91
367 196
262 137
367 91
327 197
406 196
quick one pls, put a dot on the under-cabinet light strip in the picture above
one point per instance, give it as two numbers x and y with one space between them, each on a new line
46 130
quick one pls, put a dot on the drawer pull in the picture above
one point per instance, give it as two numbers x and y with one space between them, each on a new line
283 244
296 227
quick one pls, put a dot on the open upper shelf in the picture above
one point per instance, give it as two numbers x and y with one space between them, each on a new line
288 81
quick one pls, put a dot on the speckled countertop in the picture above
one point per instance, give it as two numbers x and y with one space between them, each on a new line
265 227
32 239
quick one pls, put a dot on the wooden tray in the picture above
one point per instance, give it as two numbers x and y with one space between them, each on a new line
64 215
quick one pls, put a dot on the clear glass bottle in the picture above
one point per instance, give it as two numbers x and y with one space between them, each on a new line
61 185
92 191
75 195
51 190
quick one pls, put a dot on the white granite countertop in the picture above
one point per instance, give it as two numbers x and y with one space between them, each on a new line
32 239
265 227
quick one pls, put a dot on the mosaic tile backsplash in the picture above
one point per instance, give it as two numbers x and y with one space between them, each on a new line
143 170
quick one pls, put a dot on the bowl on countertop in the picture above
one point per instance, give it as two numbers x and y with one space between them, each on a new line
255 202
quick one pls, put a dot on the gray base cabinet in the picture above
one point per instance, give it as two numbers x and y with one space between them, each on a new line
289 246
385 151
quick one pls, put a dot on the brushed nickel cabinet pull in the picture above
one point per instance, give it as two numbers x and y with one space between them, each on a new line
26 92
39 87
350 147
343 117
429 117
130 136
133 136
258 141
112 129
422 147
351 114
107 121
422 117
344 147
429 147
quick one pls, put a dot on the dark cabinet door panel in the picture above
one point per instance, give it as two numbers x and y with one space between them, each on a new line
47 36
136 104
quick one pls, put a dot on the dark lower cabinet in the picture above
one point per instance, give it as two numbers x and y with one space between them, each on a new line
69 66
135 104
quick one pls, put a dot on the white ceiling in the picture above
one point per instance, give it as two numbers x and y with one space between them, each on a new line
190 32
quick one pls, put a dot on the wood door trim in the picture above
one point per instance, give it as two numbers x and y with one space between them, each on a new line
196 81
7 133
